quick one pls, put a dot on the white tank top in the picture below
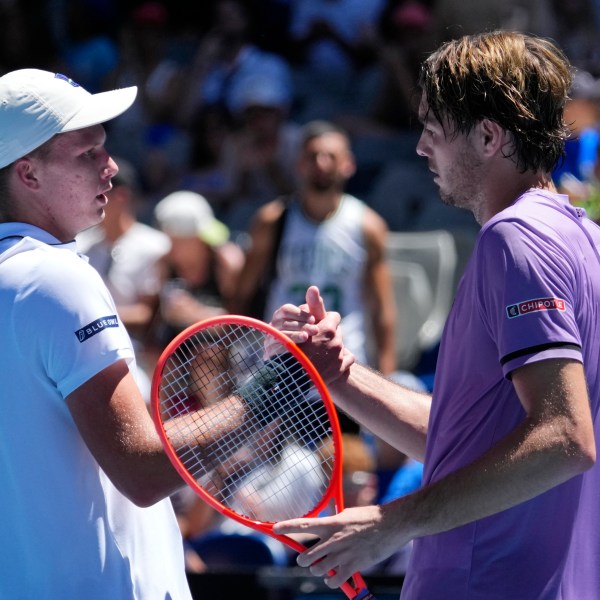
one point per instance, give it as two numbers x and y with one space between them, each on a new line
331 255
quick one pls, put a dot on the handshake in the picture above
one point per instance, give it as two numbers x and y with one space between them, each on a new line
275 388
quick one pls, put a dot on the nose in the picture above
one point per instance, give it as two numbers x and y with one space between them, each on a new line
422 148
111 168
322 160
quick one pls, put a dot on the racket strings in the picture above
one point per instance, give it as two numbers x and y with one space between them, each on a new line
270 468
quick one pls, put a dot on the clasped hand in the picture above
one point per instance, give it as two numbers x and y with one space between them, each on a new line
318 334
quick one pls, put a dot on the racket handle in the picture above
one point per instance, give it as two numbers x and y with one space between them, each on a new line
364 594
359 590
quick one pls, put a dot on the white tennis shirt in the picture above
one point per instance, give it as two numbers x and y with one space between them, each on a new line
65 530
332 255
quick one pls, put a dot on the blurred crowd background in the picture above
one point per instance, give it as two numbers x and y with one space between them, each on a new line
224 84
225 88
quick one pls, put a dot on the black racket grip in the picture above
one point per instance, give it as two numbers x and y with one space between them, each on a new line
271 389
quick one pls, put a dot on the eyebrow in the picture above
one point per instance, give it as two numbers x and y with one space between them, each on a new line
424 114
425 118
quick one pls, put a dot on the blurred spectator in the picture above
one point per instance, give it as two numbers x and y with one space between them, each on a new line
326 237
577 174
359 477
575 29
149 135
587 195
454 19
207 173
406 30
126 253
332 43
333 36
406 479
227 55
396 474
291 475
27 39
387 128
260 154
280 472
199 271
272 18
88 51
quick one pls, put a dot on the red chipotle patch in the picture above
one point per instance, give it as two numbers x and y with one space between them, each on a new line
529 306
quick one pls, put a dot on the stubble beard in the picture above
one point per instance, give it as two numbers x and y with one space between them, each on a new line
322 186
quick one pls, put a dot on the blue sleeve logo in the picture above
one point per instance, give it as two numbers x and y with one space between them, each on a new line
90 330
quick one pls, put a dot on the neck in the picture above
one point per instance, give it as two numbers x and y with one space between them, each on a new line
509 193
319 206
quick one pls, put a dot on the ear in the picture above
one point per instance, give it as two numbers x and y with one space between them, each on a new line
492 137
24 170
349 166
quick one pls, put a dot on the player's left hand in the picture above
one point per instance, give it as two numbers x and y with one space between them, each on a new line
352 541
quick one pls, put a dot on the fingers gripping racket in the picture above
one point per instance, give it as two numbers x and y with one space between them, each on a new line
249 424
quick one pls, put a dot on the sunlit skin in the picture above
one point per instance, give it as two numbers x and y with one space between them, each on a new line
326 163
78 171
190 258
475 171
208 367
483 158
451 159
62 189
554 442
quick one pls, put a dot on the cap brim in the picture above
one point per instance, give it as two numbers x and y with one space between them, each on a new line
214 234
102 107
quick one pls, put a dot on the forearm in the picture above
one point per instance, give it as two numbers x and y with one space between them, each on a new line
533 459
201 428
394 413
143 471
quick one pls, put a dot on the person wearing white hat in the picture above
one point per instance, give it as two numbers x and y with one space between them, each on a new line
85 482
201 269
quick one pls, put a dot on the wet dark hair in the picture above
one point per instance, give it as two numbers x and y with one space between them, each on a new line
519 81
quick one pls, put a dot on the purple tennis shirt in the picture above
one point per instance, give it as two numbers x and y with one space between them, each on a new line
530 292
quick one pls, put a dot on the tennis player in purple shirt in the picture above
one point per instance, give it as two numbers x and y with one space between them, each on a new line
510 502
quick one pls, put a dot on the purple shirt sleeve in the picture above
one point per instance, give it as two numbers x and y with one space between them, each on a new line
527 300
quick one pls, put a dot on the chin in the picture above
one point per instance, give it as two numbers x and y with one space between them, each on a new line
446 198
92 223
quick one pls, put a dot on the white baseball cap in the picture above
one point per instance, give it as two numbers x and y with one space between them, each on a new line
188 214
35 105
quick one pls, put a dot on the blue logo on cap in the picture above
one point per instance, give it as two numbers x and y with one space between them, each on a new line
67 79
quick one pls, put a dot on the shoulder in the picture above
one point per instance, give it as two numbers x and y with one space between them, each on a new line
536 221
374 225
149 238
49 261
141 229
58 277
57 291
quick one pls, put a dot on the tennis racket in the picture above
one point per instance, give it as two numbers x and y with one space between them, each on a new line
249 424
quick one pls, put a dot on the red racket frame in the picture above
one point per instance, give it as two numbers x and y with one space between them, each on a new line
334 489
